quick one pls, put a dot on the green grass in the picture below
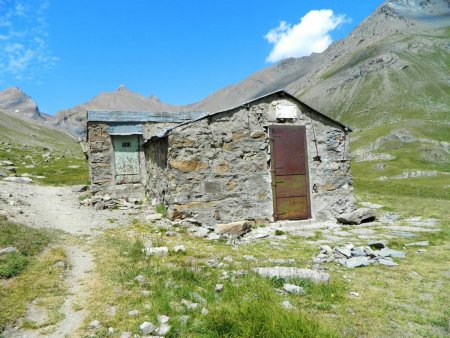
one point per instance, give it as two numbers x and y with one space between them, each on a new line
26 144
235 312
55 170
29 243
32 273
161 209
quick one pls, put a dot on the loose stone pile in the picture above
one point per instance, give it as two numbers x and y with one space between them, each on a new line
351 257
100 202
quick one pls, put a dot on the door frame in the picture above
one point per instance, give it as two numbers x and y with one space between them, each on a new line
272 171
114 173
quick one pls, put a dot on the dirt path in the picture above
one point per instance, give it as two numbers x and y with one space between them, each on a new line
58 208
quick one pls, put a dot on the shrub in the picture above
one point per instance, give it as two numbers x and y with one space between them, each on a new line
12 265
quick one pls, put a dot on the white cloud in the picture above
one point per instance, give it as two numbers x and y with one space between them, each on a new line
24 51
310 35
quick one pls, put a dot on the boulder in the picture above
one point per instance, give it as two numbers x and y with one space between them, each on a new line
357 217
290 272
238 228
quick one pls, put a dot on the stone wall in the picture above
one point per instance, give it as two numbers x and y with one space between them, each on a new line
101 164
218 169
100 156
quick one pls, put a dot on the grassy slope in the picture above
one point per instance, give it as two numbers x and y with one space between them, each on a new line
40 280
23 143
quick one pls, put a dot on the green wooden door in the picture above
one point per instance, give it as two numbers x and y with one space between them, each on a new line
126 159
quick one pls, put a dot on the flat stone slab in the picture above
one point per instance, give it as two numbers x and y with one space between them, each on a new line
417 221
403 234
421 243
355 262
386 262
362 231
408 228
386 252
290 272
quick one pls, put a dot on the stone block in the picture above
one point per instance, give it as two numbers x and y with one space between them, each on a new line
235 228
188 165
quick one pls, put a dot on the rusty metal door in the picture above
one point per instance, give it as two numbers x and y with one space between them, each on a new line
290 181
126 158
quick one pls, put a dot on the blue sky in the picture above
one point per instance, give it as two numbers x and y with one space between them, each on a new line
65 52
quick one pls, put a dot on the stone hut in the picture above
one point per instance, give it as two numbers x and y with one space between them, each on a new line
115 148
273 158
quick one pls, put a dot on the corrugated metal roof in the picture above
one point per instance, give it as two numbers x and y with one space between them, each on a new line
128 116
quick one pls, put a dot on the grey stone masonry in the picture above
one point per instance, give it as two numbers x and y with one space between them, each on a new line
218 169
100 158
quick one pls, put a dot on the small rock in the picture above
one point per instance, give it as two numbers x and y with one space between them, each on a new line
146 293
163 329
228 259
110 330
95 324
249 258
7 250
422 243
213 236
147 327
126 335
158 251
355 294
189 305
204 311
170 234
295 289
218 288
287 305
133 313
386 262
140 279
163 319
356 262
153 217
200 231
420 251
179 248
80 188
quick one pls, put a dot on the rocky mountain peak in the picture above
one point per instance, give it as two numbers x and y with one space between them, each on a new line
14 101
122 88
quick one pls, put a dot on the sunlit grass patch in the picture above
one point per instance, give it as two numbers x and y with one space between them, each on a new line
248 306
